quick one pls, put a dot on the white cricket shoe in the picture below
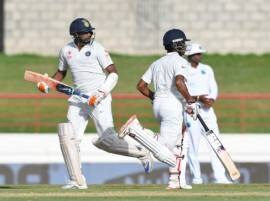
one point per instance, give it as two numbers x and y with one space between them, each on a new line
147 162
175 184
223 182
185 186
74 185
197 181
126 128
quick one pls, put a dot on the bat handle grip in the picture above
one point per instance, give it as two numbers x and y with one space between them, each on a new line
85 96
203 123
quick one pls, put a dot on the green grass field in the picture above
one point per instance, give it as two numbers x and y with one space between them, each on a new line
234 74
137 192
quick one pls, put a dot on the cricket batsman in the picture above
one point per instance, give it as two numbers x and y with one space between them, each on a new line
170 95
94 74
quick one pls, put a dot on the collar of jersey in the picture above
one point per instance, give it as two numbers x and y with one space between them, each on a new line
74 45
170 53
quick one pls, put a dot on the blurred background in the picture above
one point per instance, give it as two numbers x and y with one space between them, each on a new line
236 35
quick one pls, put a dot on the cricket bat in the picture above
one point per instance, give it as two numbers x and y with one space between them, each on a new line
220 151
53 84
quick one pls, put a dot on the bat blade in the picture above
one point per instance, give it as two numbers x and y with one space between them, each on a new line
223 155
229 165
36 77
53 84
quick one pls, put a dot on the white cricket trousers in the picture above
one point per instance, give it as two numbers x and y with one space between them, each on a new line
168 111
79 113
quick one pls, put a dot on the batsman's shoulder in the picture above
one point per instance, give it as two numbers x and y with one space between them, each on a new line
67 47
97 45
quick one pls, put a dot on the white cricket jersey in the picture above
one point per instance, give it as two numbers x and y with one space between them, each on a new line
86 66
163 72
201 81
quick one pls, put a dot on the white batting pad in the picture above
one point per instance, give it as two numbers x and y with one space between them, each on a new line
134 129
111 143
70 151
180 151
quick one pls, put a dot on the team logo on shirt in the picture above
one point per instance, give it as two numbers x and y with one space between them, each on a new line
88 53
203 72
69 56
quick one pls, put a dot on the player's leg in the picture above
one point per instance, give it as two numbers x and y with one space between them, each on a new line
218 169
178 173
134 129
170 119
194 136
110 142
182 148
70 135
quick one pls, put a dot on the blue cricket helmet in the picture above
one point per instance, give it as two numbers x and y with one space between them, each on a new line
175 40
174 35
80 25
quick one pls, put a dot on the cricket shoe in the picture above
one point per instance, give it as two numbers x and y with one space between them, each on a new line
74 185
197 181
223 182
175 184
185 186
131 123
147 162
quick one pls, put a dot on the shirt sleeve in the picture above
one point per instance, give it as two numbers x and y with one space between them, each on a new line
213 85
147 76
180 68
62 66
103 57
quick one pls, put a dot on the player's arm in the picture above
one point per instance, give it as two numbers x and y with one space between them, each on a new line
59 75
107 65
142 86
111 69
182 88
192 107
209 100
110 81
106 87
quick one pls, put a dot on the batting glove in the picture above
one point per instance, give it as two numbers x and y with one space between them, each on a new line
193 110
42 86
95 98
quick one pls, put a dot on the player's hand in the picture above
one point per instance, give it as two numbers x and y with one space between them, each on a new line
207 102
193 110
42 86
95 98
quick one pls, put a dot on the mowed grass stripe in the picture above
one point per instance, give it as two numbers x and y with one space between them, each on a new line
171 193
118 192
